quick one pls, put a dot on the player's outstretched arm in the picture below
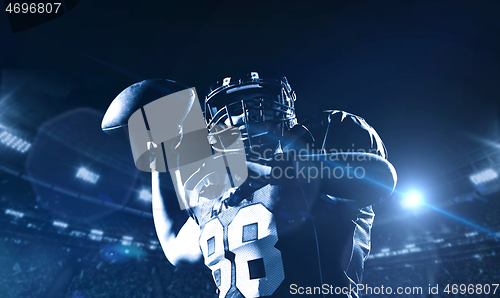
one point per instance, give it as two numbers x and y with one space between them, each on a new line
153 114
345 159
363 178
178 244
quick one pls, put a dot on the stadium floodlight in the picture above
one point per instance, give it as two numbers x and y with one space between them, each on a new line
110 239
60 224
153 244
385 250
415 249
145 195
471 234
410 245
14 142
96 235
411 200
77 234
127 240
14 213
87 175
484 176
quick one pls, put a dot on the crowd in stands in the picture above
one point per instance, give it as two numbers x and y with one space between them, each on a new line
114 225
98 278
453 252
28 269
187 281
435 229
466 269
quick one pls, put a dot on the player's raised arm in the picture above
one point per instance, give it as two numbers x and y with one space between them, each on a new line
153 113
178 234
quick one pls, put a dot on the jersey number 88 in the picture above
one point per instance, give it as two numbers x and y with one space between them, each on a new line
251 236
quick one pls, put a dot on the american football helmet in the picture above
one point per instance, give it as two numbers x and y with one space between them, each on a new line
262 109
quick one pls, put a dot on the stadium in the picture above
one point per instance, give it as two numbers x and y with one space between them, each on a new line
75 213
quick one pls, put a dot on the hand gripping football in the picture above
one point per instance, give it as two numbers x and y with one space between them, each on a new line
165 123
166 104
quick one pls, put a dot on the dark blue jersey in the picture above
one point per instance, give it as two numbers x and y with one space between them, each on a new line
285 236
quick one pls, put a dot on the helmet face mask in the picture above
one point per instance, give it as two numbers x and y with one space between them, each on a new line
263 110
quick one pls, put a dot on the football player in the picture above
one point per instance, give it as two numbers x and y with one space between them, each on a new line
299 219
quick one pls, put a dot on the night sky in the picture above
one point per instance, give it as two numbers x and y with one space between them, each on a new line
424 74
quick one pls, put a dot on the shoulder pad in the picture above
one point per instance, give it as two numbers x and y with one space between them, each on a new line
335 130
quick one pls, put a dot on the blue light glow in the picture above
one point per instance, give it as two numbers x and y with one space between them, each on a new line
412 199
464 221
